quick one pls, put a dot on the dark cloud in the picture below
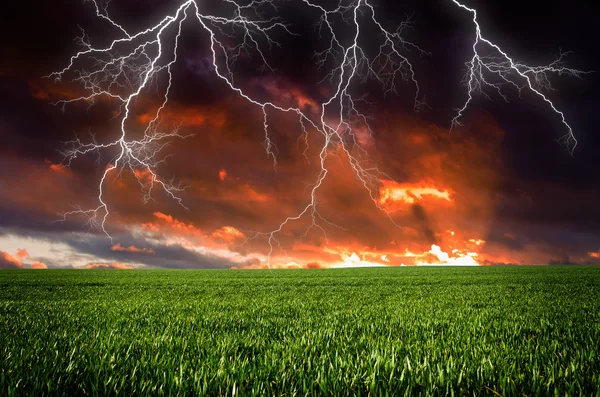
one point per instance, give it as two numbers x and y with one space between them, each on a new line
562 259
507 240
419 213
164 256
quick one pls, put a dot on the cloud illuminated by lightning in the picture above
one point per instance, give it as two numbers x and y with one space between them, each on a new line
126 68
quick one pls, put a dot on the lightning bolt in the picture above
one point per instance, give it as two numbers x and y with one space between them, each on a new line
498 70
126 68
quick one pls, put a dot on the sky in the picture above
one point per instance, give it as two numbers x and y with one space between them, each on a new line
499 189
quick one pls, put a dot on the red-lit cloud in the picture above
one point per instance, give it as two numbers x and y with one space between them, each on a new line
131 248
7 261
22 253
393 193
167 224
59 169
222 174
228 234
39 265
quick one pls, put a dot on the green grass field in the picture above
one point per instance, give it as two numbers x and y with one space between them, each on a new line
396 331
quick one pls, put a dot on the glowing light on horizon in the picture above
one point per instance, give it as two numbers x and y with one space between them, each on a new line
436 257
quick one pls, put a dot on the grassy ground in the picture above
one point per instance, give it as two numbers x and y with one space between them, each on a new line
402 331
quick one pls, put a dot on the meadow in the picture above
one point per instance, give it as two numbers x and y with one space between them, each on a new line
366 332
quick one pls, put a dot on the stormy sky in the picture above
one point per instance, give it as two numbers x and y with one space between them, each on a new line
500 189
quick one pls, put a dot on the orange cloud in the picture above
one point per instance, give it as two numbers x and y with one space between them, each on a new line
113 265
244 193
290 96
302 100
167 218
222 174
392 192
185 117
173 225
59 169
7 261
151 227
249 193
39 265
143 175
22 253
228 234
595 254
132 248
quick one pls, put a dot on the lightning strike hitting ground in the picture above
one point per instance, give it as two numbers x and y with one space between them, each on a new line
123 70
